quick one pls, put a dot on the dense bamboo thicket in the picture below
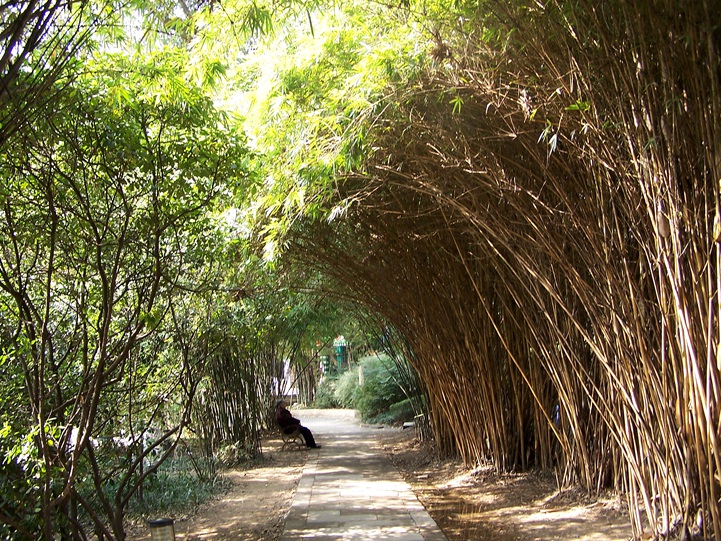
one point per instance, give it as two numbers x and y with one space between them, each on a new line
541 222
236 396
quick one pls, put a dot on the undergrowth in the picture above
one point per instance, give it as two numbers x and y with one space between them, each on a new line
175 490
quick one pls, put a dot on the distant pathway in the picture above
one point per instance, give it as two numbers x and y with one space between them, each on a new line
350 491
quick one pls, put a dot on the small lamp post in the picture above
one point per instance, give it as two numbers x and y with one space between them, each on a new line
162 529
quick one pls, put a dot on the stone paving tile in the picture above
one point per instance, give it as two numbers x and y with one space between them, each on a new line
348 492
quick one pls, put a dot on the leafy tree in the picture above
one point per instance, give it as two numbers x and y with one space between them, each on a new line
110 208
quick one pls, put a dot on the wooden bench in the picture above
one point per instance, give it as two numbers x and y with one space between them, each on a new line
291 436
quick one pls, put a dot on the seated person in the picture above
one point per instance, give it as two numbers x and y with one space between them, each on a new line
285 420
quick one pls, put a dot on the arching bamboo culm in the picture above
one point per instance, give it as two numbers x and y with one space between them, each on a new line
550 250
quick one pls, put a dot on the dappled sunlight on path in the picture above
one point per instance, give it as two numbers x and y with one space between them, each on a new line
351 491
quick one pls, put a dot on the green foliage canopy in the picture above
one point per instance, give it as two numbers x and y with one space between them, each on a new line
110 208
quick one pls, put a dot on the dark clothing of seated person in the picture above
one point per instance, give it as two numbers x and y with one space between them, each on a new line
286 420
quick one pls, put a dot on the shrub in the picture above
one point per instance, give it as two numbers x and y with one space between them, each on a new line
346 389
379 400
325 394
380 389
397 413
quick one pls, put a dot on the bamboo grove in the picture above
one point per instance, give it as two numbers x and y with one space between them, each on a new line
540 219
532 204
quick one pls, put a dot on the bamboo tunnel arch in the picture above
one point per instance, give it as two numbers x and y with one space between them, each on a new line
560 293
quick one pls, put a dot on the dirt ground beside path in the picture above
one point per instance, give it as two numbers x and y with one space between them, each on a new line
466 504
476 504
253 509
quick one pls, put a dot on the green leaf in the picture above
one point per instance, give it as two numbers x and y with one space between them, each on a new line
457 103
582 106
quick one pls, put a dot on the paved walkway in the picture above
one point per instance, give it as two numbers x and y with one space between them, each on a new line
350 491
